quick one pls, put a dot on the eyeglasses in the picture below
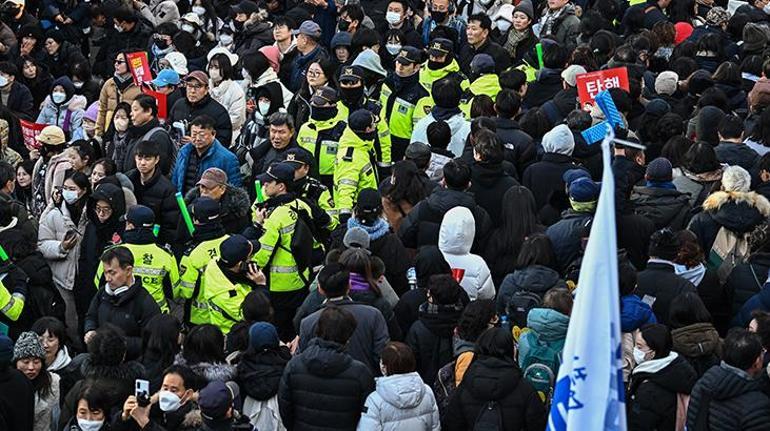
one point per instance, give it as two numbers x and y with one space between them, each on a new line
195 86
103 210
120 62
313 73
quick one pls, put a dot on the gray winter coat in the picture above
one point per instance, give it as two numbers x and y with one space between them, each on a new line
400 402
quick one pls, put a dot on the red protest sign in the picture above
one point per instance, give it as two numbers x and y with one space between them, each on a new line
160 98
591 83
139 66
29 132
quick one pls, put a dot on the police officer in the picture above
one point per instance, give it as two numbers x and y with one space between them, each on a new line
226 281
400 95
351 90
441 63
313 193
155 265
277 220
483 79
321 134
206 239
355 170
13 293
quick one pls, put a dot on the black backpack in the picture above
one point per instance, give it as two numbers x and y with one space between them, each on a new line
518 307
302 242
490 418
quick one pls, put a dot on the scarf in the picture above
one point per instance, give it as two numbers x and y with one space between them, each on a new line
583 207
550 18
377 231
660 185
358 283
694 275
61 360
123 82
444 114
514 38
654 365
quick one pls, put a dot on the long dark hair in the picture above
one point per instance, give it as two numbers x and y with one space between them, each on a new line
160 336
358 261
537 249
518 219
406 184
204 343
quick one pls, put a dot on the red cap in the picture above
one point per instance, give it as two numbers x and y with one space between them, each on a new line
683 31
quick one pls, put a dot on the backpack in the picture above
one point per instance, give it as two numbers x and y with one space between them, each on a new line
490 418
302 242
519 305
727 252
541 366
444 386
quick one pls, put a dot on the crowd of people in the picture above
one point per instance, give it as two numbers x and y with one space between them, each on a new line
341 215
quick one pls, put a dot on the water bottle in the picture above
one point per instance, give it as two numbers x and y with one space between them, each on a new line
411 276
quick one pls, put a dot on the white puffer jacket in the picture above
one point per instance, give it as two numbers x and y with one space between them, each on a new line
54 224
400 402
230 95
455 239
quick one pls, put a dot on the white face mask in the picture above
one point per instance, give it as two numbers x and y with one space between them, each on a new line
214 74
58 97
639 355
169 401
121 124
225 39
78 85
503 25
70 196
87 425
118 28
766 9
199 10
263 107
393 18
3 81
393 48
188 28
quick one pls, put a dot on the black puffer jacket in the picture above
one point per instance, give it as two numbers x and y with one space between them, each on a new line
430 338
129 311
735 401
747 279
259 373
652 393
536 278
738 212
493 379
544 179
489 182
699 344
323 389
659 283
665 207
422 225
159 195
183 110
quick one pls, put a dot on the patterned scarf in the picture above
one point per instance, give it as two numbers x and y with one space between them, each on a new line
514 38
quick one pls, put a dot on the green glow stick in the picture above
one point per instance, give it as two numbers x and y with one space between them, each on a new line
539 50
155 230
258 188
3 254
185 213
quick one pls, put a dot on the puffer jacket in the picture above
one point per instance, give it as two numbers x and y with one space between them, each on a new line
323 388
567 235
431 337
652 393
400 402
699 344
455 239
697 186
55 171
230 95
760 301
536 278
665 207
634 313
546 326
259 372
54 224
747 278
109 98
421 226
495 379
459 126
489 182
67 115
736 401
158 194
738 212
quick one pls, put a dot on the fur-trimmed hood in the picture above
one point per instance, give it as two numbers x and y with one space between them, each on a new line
739 212
218 371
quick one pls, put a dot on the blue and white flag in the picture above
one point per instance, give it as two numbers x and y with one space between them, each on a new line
589 392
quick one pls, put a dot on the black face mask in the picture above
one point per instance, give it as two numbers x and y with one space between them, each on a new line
343 25
367 136
161 44
238 25
351 97
438 16
436 65
322 113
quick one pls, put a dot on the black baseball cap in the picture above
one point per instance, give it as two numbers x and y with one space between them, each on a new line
205 210
282 172
140 216
409 55
440 46
351 74
298 156
324 95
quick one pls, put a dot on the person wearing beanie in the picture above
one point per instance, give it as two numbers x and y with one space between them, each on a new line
734 208
567 234
17 392
446 93
707 125
658 199
260 368
666 83
659 284
60 54
226 281
89 120
544 178
682 31
29 357
520 39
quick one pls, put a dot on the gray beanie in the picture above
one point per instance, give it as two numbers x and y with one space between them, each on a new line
559 140
28 346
